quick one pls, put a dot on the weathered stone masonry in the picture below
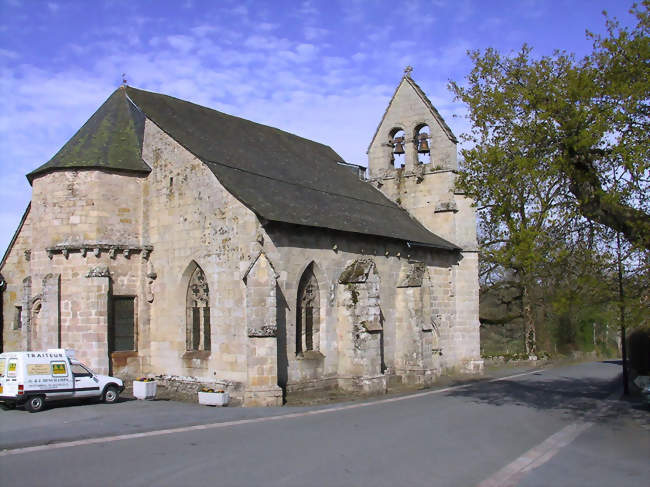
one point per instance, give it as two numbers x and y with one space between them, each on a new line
157 253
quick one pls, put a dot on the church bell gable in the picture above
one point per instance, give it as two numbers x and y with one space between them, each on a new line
411 133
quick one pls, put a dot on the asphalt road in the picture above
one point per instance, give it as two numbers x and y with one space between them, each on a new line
554 427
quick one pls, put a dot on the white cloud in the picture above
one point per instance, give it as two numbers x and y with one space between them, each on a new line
181 42
239 10
446 58
334 62
421 14
203 30
312 33
267 42
266 26
245 66
381 35
354 11
6 53
306 49
307 9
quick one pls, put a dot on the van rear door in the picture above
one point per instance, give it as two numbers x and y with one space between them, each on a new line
10 377
3 367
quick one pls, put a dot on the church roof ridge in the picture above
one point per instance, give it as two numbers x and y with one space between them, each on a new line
281 176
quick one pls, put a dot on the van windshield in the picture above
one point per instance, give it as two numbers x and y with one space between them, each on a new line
79 369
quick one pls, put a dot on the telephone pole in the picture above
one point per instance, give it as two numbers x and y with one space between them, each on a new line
621 303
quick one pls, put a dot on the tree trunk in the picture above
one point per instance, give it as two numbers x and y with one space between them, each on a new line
530 336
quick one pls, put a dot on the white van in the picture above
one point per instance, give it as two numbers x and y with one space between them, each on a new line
32 378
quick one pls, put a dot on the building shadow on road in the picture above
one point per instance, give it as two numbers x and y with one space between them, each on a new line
576 398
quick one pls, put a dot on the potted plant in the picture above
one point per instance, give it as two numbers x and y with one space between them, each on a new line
213 397
144 388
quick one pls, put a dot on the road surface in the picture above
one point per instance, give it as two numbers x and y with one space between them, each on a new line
563 426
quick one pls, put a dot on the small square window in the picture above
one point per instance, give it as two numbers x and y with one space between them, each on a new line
122 331
18 317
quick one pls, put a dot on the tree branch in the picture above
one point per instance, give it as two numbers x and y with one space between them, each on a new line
585 185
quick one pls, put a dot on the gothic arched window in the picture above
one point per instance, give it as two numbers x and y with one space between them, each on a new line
308 313
198 312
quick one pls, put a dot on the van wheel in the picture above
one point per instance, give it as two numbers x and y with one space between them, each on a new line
111 395
35 404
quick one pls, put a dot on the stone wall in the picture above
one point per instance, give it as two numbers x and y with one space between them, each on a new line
86 207
261 326
190 219
427 191
384 307
15 270
431 309
78 221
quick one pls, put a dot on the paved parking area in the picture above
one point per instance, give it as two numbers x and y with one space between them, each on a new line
73 420
68 420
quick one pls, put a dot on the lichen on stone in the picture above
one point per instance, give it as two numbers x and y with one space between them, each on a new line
357 272
411 274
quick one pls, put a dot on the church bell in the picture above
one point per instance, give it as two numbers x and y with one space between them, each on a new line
423 146
399 145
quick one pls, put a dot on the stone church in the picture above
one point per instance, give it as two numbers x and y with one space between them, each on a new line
169 239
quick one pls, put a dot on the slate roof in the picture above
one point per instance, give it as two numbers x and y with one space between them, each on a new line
278 175
111 139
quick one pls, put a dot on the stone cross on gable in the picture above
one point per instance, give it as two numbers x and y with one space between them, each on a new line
408 70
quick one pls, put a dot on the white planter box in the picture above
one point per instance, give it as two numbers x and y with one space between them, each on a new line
144 390
214 398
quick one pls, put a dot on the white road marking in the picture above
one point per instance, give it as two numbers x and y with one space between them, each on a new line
515 375
514 472
511 474
200 427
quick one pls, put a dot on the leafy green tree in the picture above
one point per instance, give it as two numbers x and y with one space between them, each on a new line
557 144
586 120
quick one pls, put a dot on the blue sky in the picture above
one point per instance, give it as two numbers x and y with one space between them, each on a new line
324 70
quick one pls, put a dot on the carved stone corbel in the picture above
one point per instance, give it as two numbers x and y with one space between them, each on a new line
265 331
151 277
99 271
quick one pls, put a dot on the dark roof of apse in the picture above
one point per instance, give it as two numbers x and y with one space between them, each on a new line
280 176
111 139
